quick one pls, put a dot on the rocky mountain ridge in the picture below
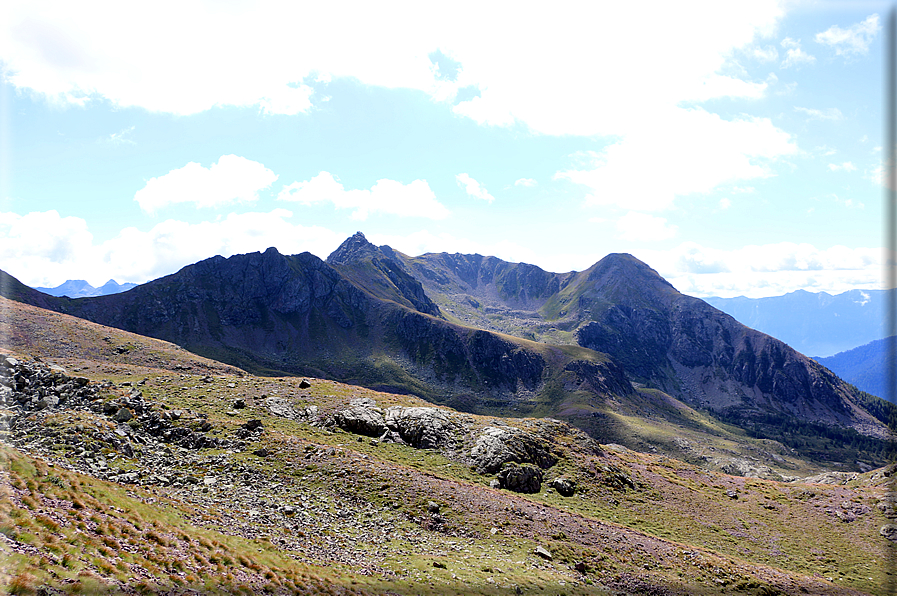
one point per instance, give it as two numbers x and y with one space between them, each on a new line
375 317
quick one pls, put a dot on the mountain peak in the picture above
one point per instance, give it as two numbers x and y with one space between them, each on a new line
353 248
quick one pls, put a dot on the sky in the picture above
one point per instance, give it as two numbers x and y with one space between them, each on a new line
735 147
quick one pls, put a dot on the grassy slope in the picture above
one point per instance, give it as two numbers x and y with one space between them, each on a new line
677 528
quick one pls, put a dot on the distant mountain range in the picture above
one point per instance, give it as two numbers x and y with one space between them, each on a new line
78 288
598 348
865 366
813 324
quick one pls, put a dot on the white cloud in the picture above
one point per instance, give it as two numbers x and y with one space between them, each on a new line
278 58
853 40
827 114
724 203
43 246
274 56
794 55
766 54
44 249
232 179
473 188
386 196
697 152
525 182
842 167
766 270
641 226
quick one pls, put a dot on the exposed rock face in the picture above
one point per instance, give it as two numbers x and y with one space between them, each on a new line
487 449
522 479
689 349
361 420
424 428
498 446
492 361
380 272
605 378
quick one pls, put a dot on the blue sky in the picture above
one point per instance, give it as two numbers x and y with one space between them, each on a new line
734 147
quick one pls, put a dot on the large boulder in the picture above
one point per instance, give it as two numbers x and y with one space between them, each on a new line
521 479
424 428
564 486
498 446
361 420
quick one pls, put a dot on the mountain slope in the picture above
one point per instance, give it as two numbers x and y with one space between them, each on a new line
865 367
273 313
665 340
371 316
184 498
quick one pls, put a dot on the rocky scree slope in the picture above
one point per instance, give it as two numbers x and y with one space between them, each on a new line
290 483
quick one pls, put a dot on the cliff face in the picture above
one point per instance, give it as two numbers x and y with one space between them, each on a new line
380 273
693 351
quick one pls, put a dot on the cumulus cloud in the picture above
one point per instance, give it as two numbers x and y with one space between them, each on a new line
842 167
697 152
724 203
43 246
766 270
856 39
232 179
827 114
525 182
794 55
45 249
766 54
249 55
641 226
239 54
386 196
473 188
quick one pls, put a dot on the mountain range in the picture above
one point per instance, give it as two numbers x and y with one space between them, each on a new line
78 288
614 349
815 324
865 367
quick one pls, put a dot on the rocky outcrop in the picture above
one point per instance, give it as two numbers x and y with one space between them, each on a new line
29 388
423 428
564 486
488 450
496 447
521 479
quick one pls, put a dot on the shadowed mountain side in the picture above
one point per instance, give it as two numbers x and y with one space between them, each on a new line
687 348
664 339
271 313
379 274
365 320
